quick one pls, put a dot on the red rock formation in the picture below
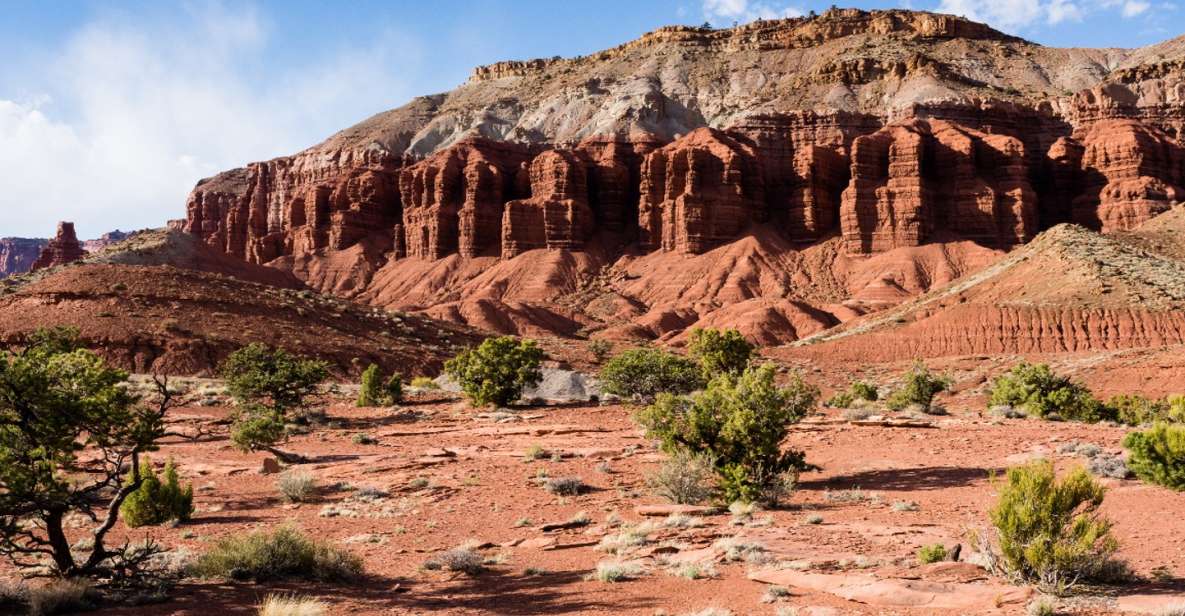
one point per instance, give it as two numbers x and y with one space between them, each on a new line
698 192
62 249
1128 172
17 254
557 215
453 200
297 205
913 179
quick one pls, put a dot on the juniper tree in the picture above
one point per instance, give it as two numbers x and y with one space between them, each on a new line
58 399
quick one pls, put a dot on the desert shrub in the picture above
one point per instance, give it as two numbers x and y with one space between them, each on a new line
268 385
565 486
857 390
719 352
297 486
601 349
375 391
370 390
920 387
741 422
1134 410
685 478
610 571
497 371
67 596
1050 531
1158 455
462 560
282 553
291 605
424 382
157 502
58 399
931 553
1040 392
642 374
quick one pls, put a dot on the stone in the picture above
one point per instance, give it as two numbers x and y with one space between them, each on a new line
269 466
904 593
62 249
557 215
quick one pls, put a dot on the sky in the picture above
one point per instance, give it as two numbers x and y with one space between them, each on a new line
110 112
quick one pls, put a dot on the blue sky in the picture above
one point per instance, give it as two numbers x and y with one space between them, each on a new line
111 111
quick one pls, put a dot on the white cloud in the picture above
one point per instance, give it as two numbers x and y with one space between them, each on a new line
1012 15
1132 8
725 12
134 114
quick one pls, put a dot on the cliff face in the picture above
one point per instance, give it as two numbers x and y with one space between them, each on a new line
17 254
888 130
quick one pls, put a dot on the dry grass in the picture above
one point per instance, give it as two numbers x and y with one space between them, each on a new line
59 597
292 605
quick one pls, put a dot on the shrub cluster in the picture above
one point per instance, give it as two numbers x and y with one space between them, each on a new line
282 553
740 422
377 391
719 352
1050 531
1038 391
920 387
685 478
156 502
857 390
497 371
1135 410
1158 455
642 374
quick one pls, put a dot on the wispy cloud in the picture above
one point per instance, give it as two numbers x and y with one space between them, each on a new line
725 12
134 114
1022 15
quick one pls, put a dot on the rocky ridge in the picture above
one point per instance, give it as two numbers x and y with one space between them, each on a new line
888 130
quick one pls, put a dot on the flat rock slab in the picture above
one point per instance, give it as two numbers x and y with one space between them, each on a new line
1150 603
666 510
897 592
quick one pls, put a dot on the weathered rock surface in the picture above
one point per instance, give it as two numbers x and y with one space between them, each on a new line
17 254
62 249
865 133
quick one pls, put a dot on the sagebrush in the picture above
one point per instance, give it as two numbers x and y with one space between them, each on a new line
1158 455
156 501
283 553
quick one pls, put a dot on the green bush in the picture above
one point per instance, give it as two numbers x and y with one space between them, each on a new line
719 352
1050 531
1158 455
920 387
932 554
600 350
374 391
282 553
858 390
1135 410
424 382
497 371
740 422
1040 392
156 502
268 384
642 374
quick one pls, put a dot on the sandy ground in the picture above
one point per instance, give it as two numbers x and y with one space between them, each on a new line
480 488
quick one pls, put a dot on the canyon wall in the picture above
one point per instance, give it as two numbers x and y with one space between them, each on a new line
17 254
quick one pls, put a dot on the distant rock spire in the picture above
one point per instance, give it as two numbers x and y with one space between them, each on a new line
62 249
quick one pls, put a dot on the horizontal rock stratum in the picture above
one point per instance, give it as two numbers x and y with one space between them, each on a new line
847 142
